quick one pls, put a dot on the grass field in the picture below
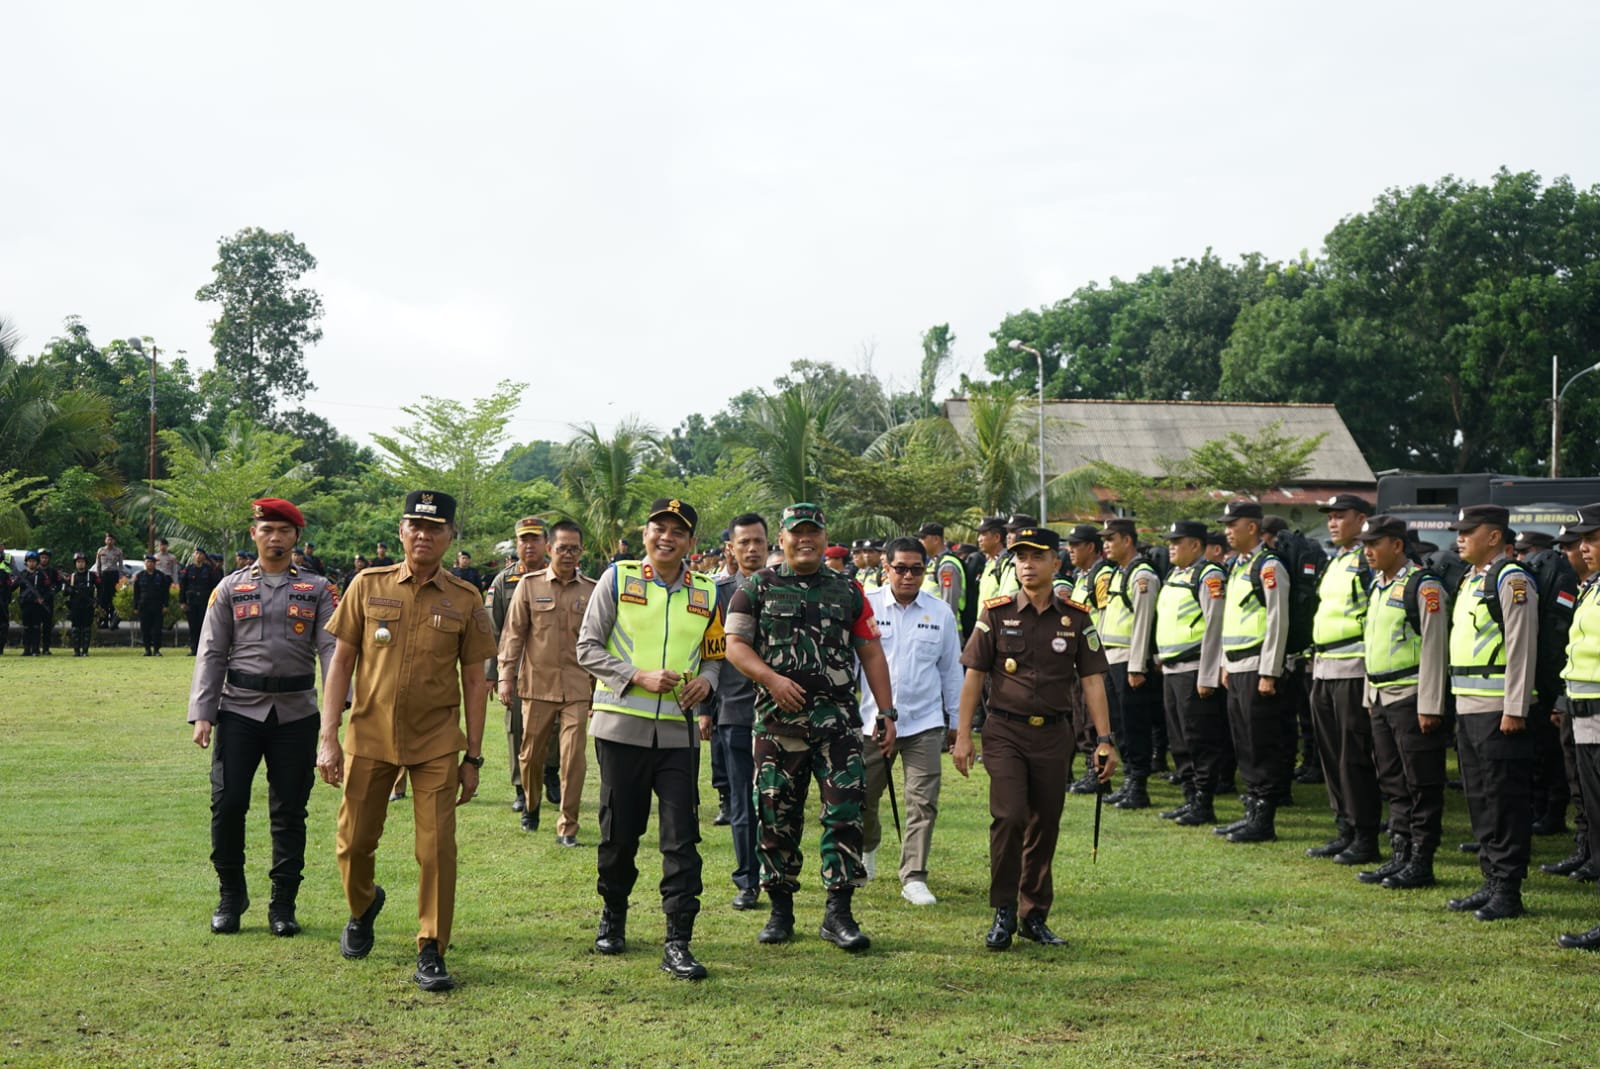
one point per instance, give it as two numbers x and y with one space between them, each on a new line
1185 950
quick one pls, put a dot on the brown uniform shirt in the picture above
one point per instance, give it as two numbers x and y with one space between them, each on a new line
539 640
407 706
1034 657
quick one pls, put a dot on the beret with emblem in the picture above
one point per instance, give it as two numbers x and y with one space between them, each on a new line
276 510
1534 540
434 506
992 523
836 553
1019 520
1083 532
671 506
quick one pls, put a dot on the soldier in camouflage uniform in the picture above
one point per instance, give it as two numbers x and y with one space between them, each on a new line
797 631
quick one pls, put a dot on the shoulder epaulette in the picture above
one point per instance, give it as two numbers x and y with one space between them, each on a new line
997 601
1080 606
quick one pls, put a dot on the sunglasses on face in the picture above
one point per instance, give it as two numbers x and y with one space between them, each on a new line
907 569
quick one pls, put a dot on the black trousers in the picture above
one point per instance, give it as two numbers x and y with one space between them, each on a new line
1551 792
1344 745
196 614
1587 761
1133 717
35 618
81 616
1176 689
150 627
5 622
1497 778
1203 727
1294 695
1255 723
107 592
629 775
1411 772
1583 828
238 745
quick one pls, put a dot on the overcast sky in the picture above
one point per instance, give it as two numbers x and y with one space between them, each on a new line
646 208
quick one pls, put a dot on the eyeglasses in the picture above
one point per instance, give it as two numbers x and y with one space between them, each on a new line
907 569
566 549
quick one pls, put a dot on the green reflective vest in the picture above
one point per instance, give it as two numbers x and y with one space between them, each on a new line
1336 630
999 577
1116 622
1582 672
871 578
930 582
1244 617
1393 649
1477 643
657 629
1180 621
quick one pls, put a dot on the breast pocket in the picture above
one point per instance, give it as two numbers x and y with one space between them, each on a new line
781 623
382 618
1010 641
442 632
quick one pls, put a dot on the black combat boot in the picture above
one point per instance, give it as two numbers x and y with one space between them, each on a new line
839 926
1201 811
1134 794
1179 810
780 925
232 900
1085 784
280 911
1261 827
1115 797
1363 849
1334 846
1400 854
1571 863
1477 898
676 958
1238 825
611 937
1504 904
1417 873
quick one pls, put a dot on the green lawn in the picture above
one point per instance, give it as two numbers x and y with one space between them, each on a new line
1185 950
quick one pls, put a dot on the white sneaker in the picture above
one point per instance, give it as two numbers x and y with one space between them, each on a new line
916 892
870 860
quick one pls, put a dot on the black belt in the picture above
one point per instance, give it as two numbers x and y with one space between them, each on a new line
1583 708
1031 721
270 684
1242 654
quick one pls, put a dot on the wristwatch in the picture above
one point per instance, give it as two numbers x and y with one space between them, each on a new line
890 713
475 762
1103 739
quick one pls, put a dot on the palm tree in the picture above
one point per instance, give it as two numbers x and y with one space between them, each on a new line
601 481
786 433
1002 447
44 427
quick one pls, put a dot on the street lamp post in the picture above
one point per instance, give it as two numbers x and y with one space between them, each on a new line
1016 343
138 345
1555 411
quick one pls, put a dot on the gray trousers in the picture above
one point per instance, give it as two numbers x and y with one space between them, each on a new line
918 764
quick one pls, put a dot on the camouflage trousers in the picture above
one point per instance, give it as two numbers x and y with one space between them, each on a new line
784 770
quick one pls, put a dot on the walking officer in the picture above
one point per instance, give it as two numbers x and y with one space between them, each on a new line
83 589
1493 649
1189 647
1031 647
254 696
533 542
1406 659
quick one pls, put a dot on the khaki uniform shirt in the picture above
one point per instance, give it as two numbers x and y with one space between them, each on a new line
498 601
407 706
108 561
539 639
1034 657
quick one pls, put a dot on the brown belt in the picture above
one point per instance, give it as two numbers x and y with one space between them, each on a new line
1031 721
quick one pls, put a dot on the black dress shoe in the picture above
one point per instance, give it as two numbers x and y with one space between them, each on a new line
520 803
1588 872
1000 932
530 819
566 840
1472 901
1589 940
225 919
611 937
1567 865
1035 928
431 975
722 820
746 899
356 942
1551 824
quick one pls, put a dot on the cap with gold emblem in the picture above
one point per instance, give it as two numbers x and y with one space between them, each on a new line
530 525
671 506
432 505
276 510
1037 537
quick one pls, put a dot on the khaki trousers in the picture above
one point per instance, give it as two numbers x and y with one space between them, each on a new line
539 721
918 761
362 810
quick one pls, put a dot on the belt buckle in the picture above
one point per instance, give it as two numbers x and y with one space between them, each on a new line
1036 721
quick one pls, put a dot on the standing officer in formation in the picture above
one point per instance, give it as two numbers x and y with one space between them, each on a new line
1255 637
165 561
1493 649
83 588
151 589
1577 864
7 577
414 638
254 696
1406 663
108 566
999 575
868 558
34 601
1340 722
1032 647
1582 674
802 633
921 643
532 556
947 578
539 671
1189 614
195 584
50 583
1128 628
652 637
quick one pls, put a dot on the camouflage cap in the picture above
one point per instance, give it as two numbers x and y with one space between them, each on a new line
803 512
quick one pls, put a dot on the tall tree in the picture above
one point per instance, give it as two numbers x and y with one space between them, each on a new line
266 320
936 345
602 484
786 434
461 450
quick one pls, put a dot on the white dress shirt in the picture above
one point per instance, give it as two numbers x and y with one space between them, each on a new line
922 643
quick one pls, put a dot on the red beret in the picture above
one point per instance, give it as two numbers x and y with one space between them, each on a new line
836 553
277 510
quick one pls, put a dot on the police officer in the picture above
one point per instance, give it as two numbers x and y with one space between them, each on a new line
1571 542
50 583
1406 662
1031 647
1255 637
652 637
1582 674
1189 647
533 542
414 638
151 588
1127 627
253 695
83 590
165 560
1493 649
999 575
108 566
466 572
1341 725
868 554
33 595
313 562
947 578
801 633
195 584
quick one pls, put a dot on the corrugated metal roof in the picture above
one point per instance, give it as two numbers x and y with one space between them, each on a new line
1137 434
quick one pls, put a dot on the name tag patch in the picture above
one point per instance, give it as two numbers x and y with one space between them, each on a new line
634 591
699 601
